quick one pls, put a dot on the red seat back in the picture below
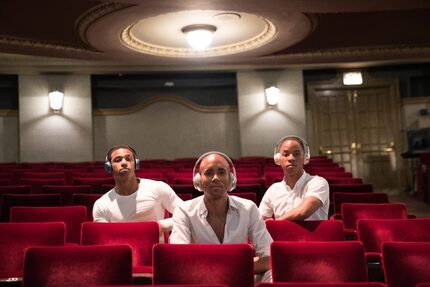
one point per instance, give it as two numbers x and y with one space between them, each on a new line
72 216
15 238
11 200
357 197
77 266
37 184
374 232
95 182
319 284
66 191
230 264
86 200
335 261
141 236
309 230
247 195
406 263
351 212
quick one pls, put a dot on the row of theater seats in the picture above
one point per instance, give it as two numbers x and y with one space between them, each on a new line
255 174
74 216
301 252
358 192
171 172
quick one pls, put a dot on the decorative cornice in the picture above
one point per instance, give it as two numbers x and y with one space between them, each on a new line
153 100
97 12
132 42
356 51
16 41
416 101
8 113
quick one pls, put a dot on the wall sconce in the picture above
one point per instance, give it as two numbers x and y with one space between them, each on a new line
352 78
272 96
199 36
56 100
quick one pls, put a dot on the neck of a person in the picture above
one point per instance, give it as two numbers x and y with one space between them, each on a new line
291 179
126 185
217 207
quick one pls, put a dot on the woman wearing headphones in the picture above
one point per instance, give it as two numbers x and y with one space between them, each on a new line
299 196
217 218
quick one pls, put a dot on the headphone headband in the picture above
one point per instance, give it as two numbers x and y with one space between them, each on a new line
303 143
196 170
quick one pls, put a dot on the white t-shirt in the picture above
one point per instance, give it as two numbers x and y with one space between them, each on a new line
243 223
280 198
148 203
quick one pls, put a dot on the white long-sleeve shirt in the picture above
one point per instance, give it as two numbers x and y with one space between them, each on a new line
148 203
243 223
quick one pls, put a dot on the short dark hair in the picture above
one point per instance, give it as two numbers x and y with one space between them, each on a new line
117 147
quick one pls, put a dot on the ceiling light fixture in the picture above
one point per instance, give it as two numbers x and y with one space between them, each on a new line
199 36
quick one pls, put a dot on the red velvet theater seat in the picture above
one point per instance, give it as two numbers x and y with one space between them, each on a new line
95 183
77 266
72 216
406 263
334 261
15 238
352 187
319 284
374 232
305 230
86 200
11 200
247 195
357 197
13 189
37 184
230 264
141 236
352 212
66 191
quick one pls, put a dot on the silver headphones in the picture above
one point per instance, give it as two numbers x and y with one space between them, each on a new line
277 155
196 174
108 165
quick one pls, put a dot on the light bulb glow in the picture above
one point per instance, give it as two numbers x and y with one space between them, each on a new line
199 36
56 100
352 78
272 96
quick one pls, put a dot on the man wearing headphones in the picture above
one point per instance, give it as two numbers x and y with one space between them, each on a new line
217 218
132 198
299 196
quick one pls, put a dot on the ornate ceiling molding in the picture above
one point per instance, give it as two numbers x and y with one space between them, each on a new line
8 113
97 12
132 42
153 100
22 42
365 51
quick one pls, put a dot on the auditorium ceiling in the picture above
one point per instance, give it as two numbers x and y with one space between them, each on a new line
145 35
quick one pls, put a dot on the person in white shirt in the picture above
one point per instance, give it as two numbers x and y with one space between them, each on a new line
217 218
299 196
132 198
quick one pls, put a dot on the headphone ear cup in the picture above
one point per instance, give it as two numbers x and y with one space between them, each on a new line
277 158
107 166
307 155
233 181
197 182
